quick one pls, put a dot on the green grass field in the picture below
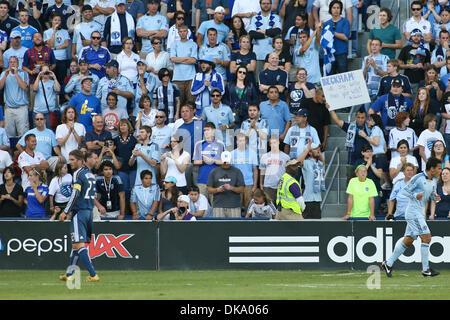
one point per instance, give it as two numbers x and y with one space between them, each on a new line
225 285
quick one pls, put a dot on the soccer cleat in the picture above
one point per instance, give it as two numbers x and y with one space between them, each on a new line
95 278
65 277
386 268
430 273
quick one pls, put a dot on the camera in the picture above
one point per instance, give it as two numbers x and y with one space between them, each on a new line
46 73
181 211
108 144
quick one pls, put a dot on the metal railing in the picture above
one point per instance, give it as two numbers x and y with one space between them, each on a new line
335 171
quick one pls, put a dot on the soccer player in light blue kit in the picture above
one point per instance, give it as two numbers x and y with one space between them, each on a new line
419 190
80 204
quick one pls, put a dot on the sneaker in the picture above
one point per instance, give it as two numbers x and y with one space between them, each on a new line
386 186
386 268
430 273
93 279
65 277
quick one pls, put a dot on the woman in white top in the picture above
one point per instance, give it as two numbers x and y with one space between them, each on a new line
397 163
402 132
60 189
128 59
69 133
175 162
147 114
158 58
428 137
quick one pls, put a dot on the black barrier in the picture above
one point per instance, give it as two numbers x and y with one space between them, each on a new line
182 245
47 245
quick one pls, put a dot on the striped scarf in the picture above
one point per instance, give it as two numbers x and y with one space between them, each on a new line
326 42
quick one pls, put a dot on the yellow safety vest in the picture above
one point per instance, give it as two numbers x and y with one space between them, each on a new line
284 196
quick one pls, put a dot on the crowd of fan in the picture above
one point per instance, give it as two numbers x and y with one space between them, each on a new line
194 109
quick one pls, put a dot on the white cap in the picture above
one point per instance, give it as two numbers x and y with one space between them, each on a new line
314 145
220 9
184 198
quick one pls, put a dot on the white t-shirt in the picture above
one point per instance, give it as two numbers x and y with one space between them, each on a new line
273 167
447 121
5 161
71 144
396 134
127 65
26 160
426 140
201 204
61 188
395 162
246 6
172 170
424 26
324 7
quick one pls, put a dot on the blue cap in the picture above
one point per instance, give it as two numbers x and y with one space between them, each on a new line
112 63
120 2
83 60
208 59
170 179
302 112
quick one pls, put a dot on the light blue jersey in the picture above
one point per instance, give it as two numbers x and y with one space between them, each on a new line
181 71
401 200
106 85
60 37
221 52
222 30
46 141
11 52
150 81
157 22
245 160
418 184
50 94
144 198
83 31
74 85
14 95
297 138
151 151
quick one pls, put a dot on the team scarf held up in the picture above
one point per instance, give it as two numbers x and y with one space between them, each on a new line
326 42
259 24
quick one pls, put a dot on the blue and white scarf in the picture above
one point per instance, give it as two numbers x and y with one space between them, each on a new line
198 86
319 176
259 24
421 50
170 111
351 135
326 42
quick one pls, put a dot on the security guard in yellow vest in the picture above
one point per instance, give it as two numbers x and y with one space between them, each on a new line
290 202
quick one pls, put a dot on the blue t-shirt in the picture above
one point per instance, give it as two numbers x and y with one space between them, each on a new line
27 35
11 52
144 198
277 116
151 151
157 22
13 94
212 150
100 56
342 26
86 105
245 160
388 113
39 99
61 36
181 71
93 136
222 30
35 209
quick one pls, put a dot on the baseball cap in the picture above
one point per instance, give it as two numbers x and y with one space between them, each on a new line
184 198
208 59
291 162
86 78
83 60
142 61
220 9
170 179
112 63
397 82
118 2
15 34
302 112
153 1
226 157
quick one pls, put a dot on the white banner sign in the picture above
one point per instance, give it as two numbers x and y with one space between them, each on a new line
345 89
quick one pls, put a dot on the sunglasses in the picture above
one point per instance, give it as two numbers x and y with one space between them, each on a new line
180 18
215 95
416 9
165 75
39 119
157 42
96 38
242 72
159 117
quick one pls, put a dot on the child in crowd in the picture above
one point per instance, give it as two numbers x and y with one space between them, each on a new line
261 206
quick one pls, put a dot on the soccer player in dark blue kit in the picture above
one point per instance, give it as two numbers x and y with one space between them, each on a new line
81 204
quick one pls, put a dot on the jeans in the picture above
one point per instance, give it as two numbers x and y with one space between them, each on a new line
340 65
128 178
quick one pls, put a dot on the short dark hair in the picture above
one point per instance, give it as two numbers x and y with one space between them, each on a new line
193 188
211 29
403 142
78 154
332 3
106 164
433 163
30 135
144 173
209 125
417 3
366 147
377 39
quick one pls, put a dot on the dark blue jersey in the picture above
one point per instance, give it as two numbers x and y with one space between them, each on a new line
83 191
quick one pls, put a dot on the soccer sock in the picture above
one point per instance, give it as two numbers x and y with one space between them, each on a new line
398 251
73 261
83 253
425 251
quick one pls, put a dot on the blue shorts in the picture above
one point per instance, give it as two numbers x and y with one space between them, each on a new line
81 226
416 227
